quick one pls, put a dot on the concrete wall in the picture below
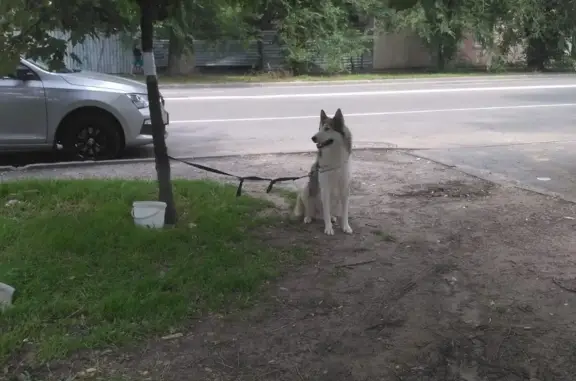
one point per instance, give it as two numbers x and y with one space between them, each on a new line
405 50
471 53
399 51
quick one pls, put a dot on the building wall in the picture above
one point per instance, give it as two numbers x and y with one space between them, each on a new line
471 53
399 51
405 50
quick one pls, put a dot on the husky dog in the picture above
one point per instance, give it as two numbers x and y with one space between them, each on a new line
329 182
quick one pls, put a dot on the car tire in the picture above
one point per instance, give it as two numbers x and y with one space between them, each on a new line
90 135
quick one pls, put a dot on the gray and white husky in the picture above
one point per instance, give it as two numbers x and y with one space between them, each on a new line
328 187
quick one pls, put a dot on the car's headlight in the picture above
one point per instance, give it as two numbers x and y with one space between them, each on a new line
139 100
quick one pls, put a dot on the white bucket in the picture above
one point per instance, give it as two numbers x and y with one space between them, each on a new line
6 296
149 213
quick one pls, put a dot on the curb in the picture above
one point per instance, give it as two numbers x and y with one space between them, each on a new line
87 164
478 174
74 164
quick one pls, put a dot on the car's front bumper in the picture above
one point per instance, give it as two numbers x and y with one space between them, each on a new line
147 127
145 135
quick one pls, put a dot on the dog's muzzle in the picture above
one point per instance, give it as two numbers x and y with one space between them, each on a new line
323 144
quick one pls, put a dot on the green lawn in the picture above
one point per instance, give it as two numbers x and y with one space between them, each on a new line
87 277
227 78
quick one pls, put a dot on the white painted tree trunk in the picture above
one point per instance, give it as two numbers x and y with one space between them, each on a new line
165 193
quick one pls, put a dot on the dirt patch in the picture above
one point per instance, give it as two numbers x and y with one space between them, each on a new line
454 189
429 288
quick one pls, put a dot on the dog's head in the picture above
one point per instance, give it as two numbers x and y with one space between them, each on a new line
332 130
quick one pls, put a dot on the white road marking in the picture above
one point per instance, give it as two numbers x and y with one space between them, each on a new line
368 82
383 113
369 93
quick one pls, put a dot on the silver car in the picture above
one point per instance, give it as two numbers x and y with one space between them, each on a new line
85 115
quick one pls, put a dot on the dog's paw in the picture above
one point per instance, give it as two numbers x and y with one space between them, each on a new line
329 230
347 229
307 220
334 219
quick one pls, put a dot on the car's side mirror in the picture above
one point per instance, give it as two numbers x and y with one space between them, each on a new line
24 74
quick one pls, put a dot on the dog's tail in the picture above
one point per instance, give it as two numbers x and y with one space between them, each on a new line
299 207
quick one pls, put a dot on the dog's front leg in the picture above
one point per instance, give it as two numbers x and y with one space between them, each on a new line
344 204
310 208
325 197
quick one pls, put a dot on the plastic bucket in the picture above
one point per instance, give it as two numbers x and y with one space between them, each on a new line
6 296
149 213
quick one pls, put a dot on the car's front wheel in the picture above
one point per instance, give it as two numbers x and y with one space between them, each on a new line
91 136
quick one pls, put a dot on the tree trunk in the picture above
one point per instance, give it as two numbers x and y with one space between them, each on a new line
260 46
537 54
180 57
147 17
440 59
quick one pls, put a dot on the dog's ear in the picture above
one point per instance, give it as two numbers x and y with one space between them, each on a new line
338 120
339 115
323 116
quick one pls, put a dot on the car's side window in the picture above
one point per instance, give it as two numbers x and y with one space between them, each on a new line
21 68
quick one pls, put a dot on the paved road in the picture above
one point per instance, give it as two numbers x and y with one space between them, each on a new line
519 128
416 113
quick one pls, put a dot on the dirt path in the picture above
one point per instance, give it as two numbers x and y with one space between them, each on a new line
446 278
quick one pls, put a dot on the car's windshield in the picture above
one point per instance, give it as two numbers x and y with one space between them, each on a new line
40 64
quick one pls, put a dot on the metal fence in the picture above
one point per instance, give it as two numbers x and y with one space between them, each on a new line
113 55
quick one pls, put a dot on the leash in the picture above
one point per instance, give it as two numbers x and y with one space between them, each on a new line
241 179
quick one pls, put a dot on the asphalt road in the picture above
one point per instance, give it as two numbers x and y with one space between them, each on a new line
519 129
516 129
415 114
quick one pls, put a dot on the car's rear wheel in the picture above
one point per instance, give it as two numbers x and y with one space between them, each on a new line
91 135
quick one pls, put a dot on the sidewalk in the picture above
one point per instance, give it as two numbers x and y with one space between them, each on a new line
446 277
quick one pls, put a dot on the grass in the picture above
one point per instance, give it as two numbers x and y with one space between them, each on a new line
289 195
86 277
259 78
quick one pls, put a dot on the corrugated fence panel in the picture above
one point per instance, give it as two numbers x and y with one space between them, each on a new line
113 54
234 53
350 63
161 53
105 54
274 58
231 53
363 62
